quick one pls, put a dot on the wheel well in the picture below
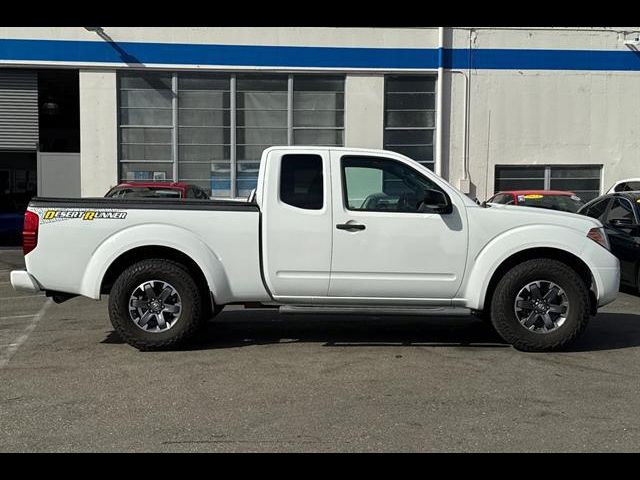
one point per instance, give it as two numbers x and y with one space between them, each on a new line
146 252
561 255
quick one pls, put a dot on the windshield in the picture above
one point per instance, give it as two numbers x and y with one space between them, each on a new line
628 187
563 203
145 192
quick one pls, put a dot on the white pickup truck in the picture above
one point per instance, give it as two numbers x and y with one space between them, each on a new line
327 230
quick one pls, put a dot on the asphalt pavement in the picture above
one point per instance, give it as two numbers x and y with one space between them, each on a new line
264 382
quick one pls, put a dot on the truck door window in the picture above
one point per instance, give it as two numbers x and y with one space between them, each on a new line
301 181
383 185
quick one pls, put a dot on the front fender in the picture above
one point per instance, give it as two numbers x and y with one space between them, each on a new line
163 235
484 265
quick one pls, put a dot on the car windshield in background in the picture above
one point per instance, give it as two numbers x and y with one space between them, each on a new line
146 193
563 203
628 187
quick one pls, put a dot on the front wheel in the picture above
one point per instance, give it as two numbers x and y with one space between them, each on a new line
540 305
155 304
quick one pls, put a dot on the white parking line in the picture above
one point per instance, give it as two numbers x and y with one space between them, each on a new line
21 296
6 355
18 316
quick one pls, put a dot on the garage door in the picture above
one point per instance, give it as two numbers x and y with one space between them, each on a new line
18 109
583 180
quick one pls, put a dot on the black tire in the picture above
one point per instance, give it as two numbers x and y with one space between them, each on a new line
504 316
191 316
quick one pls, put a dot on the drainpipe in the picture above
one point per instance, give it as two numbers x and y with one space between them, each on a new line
464 181
439 101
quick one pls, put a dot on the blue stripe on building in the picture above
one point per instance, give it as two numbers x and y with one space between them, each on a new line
315 57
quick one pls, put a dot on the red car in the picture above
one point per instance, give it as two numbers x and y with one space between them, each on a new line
551 199
157 190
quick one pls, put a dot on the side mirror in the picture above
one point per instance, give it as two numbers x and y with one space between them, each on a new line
435 201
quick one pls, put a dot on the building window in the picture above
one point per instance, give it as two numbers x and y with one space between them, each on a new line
410 116
583 180
146 127
204 131
261 123
211 129
318 110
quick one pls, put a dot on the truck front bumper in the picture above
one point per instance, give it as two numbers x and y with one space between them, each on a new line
23 280
607 282
605 269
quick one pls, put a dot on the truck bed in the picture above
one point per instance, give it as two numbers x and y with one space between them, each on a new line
80 237
145 203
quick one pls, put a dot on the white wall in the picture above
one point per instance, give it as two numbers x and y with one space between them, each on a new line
543 117
538 118
98 132
418 37
364 111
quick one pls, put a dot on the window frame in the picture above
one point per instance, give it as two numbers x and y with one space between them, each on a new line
343 183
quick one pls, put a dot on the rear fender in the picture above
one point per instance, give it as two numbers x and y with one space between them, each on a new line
163 235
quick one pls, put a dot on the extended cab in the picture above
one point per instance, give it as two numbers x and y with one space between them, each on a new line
328 230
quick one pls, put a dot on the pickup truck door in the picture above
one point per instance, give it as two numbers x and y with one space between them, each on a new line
296 223
383 247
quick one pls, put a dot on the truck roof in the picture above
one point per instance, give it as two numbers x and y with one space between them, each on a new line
347 149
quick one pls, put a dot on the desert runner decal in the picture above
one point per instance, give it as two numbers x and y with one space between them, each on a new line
53 215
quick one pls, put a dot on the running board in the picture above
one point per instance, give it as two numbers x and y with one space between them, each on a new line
397 311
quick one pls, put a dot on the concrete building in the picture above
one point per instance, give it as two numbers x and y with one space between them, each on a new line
82 108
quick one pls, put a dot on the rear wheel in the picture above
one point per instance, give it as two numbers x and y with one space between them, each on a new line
540 305
155 304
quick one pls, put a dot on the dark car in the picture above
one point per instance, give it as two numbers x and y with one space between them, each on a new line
620 215
157 190
12 208
550 199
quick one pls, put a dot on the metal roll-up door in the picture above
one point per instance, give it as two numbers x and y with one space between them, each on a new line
18 109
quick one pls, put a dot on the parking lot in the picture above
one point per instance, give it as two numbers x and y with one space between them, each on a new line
258 381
